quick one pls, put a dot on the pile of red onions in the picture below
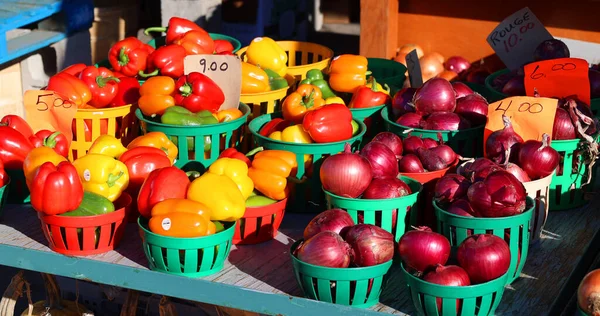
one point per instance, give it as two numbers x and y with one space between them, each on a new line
425 155
440 105
332 240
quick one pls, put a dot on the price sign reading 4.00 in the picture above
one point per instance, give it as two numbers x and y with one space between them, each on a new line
558 78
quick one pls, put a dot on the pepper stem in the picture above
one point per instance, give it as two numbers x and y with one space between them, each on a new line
374 84
193 174
145 75
185 90
112 179
309 100
155 29
254 151
50 141
368 73
123 58
102 81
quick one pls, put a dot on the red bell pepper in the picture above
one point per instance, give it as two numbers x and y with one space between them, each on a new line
177 28
140 161
75 69
56 189
366 97
274 125
196 42
102 83
162 184
168 60
18 123
14 147
197 92
129 56
223 46
128 92
70 87
330 123
235 154
3 175
55 140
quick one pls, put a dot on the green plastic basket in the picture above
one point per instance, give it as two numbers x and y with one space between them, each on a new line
4 197
380 212
481 299
193 151
306 194
388 72
566 188
160 41
514 228
466 142
371 118
19 192
190 257
356 287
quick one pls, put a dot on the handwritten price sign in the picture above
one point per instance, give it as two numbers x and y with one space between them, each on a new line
515 39
559 78
48 110
225 71
530 117
414 69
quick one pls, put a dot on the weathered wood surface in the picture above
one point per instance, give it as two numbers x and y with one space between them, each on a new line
267 267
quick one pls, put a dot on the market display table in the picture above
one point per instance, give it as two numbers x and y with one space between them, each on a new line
259 278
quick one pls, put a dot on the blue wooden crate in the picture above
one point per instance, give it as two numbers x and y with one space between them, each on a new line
67 16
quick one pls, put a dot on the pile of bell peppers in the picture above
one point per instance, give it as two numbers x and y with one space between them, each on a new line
265 67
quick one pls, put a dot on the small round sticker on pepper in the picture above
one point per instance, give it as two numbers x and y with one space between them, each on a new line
166 223
87 174
258 39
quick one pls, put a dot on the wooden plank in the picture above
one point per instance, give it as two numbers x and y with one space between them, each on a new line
379 28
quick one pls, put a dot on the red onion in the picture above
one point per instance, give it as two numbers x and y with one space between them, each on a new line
462 207
515 86
436 158
594 83
563 128
401 102
333 220
485 257
445 152
391 140
516 171
499 82
346 174
500 194
450 188
461 89
410 120
448 276
478 76
372 245
581 114
386 188
502 141
588 293
479 169
435 95
474 108
457 64
444 122
382 159
412 143
410 164
537 158
422 249
325 249
429 143
551 49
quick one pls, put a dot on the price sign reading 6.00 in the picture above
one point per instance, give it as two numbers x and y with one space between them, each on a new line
559 78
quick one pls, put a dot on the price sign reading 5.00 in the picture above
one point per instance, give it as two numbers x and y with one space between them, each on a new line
558 78
48 110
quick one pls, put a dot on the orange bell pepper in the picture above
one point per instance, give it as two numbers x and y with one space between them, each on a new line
156 95
157 140
179 224
306 98
71 87
180 205
36 158
348 72
269 172
228 115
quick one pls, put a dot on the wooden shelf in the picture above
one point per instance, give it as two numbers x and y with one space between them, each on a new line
260 277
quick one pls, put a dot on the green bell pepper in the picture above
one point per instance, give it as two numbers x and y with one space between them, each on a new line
91 205
315 77
191 144
178 115
354 128
259 200
220 226
276 81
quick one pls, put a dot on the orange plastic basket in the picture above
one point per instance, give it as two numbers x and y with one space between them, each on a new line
86 235
259 224
89 124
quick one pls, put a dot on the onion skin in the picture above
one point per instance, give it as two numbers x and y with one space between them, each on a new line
382 159
391 140
430 160
537 158
444 122
457 64
588 293
551 49
325 249
401 102
500 194
410 164
436 95
334 220
429 143
346 174
462 207
563 128
461 89
502 141
433 249
387 188
479 169
484 257
449 276
430 66
450 188
446 154
515 86
410 120
407 48
516 171
437 56
474 108
371 245
411 144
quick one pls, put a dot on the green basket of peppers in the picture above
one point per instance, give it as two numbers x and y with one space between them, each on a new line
199 137
388 72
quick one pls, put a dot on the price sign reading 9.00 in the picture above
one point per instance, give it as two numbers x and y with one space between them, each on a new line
225 71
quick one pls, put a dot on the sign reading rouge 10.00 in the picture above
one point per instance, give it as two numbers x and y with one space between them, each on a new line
515 39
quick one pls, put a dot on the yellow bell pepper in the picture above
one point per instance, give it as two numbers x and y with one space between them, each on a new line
334 100
107 145
157 140
102 175
266 53
292 134
385 88
36 158
254 79
220 194
235 170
